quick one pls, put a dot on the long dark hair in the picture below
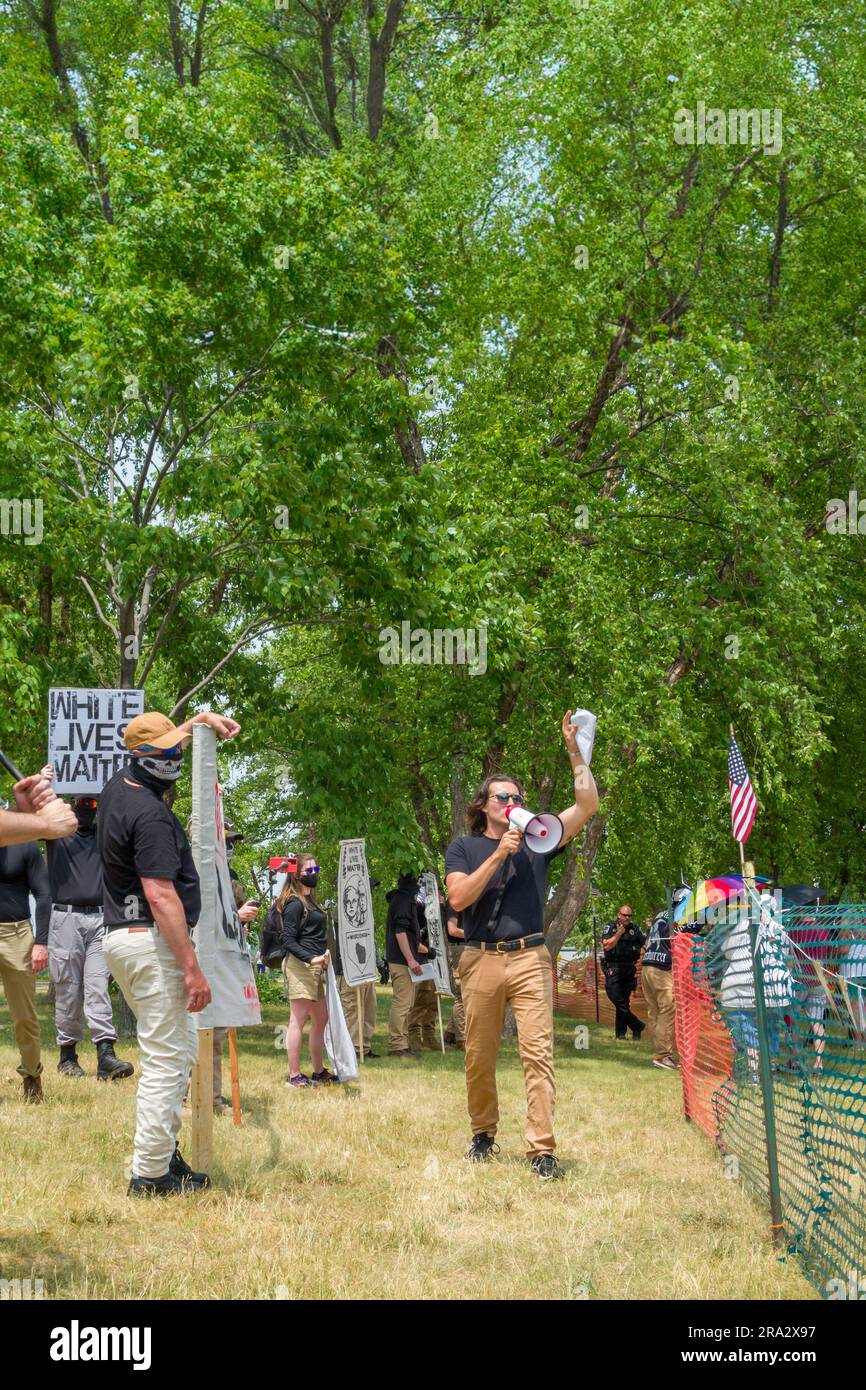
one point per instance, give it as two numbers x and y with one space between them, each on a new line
292 886
476 817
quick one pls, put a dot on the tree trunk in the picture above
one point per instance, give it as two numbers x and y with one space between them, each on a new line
572 894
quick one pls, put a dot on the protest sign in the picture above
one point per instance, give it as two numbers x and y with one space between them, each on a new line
436 932
221 947
355 916
85 736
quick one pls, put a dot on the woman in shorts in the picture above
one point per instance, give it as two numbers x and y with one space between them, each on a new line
304 965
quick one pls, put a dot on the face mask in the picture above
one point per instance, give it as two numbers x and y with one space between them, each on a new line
164 769
311 878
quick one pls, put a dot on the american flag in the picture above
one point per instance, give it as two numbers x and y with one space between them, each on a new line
743 803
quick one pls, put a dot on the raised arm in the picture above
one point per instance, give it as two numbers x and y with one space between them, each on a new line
585 791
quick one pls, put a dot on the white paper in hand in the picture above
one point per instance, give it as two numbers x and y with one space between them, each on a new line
583 721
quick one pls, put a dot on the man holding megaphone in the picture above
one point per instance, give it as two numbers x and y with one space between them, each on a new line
497 880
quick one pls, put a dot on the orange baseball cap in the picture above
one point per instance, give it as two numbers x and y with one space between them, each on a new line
153 729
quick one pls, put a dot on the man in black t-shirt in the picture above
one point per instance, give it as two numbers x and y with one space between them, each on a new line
499 887
621 944
151 899
402 951
74 941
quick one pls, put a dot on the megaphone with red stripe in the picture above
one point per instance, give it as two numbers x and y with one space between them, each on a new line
540 833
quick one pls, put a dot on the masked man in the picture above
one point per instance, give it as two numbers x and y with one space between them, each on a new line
151 899
74 941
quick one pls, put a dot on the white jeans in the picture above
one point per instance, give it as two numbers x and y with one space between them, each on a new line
152 984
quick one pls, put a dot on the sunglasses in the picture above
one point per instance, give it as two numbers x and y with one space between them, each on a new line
505 797
88 803
310 869
164 752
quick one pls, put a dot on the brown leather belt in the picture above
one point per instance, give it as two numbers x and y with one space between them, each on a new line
519 943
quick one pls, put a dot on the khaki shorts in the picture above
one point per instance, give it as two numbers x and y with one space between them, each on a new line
305 981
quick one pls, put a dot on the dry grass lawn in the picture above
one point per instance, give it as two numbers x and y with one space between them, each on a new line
362 1192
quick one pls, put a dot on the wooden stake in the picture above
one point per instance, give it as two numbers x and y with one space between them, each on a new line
360 1025
441 1029
201 1100
236 1081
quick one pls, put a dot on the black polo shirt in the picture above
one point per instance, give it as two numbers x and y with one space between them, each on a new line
522 911
139 837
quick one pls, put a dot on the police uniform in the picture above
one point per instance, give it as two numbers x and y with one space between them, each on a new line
620 976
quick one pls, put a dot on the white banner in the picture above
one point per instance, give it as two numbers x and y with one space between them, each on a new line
222 951
85 736
436 932
355 916
338 1039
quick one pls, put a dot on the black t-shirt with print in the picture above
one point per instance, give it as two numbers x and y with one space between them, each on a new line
138 836
522 911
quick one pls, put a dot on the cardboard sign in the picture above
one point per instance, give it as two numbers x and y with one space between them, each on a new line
220 944
85 736
436 933
355 916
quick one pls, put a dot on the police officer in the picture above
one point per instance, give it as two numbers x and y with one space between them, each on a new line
621 944
74 938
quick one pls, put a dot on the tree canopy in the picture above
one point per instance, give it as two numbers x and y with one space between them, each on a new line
323 317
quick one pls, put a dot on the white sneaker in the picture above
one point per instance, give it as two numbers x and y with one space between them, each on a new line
665 1063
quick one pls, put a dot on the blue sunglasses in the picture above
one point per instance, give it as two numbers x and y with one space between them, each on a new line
165 752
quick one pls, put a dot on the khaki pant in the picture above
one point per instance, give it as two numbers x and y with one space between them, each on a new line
490 980
19 983
424 1017
657 987
457 1027
349 1000
147 972
398 1018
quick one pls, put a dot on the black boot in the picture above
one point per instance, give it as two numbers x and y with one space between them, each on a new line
180 1169
110 1068
68 1064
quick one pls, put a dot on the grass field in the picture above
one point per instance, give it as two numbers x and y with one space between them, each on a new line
361 1191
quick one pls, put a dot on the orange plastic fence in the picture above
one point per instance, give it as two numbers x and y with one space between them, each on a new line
703 1041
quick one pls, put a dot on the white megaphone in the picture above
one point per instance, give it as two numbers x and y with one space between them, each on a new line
540 833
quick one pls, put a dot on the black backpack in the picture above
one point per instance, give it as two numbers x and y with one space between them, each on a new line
272 952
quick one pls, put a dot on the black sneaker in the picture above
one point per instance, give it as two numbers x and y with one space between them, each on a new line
482 1148
180 1169
166 1186
324 1078
546 1166
637 1033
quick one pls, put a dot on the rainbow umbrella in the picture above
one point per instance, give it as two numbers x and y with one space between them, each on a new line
709 894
